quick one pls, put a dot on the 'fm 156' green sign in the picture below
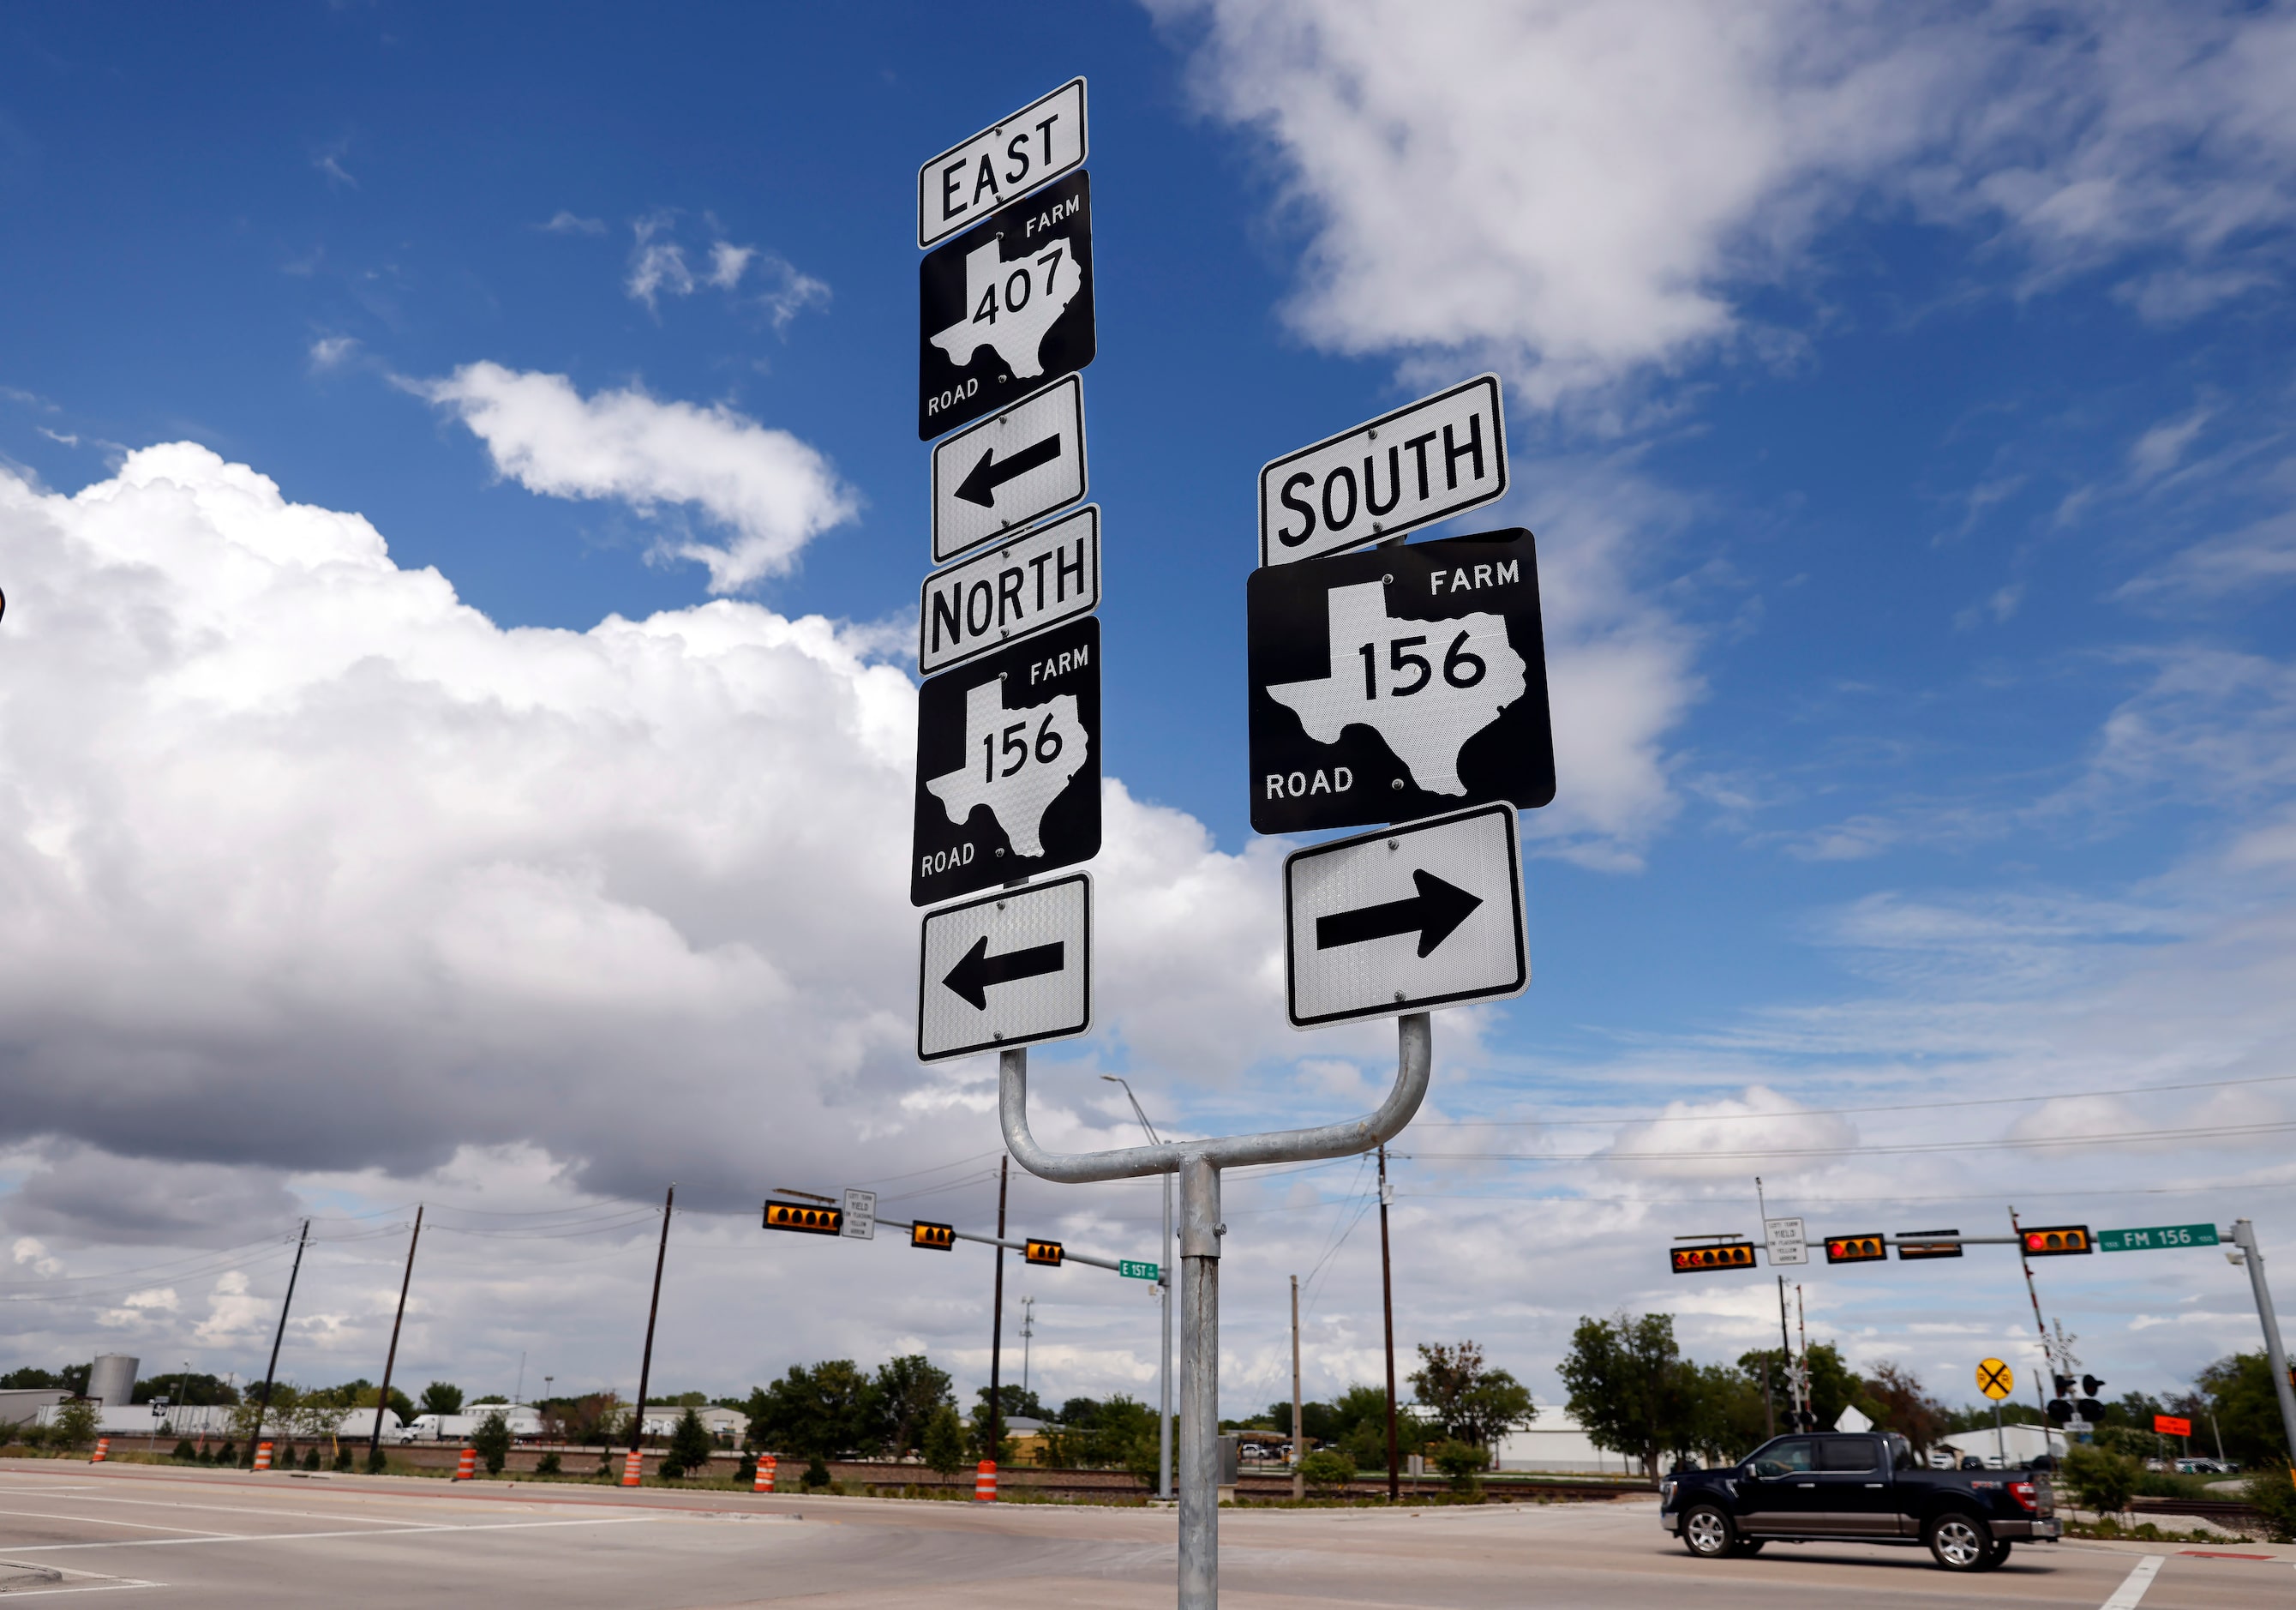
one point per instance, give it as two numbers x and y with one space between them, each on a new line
2156 1238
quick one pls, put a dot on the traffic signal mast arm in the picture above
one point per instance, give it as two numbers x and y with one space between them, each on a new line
1067 1254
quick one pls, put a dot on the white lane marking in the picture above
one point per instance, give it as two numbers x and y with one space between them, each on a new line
308 1514
300 1537
2132 1588
97 1520
103 1587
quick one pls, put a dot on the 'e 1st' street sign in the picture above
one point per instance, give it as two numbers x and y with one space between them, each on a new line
1427 915
1037 579
1005 309
1390 685
1442 455
2158 1238
1011 968
1008 470
974 177
1008 765
1130 1270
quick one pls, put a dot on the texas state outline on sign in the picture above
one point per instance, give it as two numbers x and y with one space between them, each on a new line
1016 330
1018 798
1428 726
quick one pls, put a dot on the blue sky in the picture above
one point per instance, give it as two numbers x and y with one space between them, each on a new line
1901 403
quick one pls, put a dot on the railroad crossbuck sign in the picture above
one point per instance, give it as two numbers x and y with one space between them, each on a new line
1399 683
1008 765
1036 580
974 177
1008 470
1996 1379
1005 309
1427 915
1442 455
1009 969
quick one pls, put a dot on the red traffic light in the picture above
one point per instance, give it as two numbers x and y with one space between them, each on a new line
1046 1252
1723 1254
804 1220
2058 1241
1856 1249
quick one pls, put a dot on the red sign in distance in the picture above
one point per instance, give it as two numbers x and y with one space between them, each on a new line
2171 1425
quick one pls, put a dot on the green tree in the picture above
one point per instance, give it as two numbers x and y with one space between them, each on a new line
2100 1479
71 1378
1327 1469
2238 1391
76 1422
1905 1406
2272 1491
492 1440
945 1441
442 1397
1472 1401
690 1445
192 1389
1630 1387
909 1389
1013 1400
831 1408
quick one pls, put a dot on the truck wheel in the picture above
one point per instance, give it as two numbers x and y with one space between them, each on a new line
1960 1542
1707 1532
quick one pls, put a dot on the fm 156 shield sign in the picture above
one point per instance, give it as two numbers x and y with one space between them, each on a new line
1008 765
1005 309
1390 685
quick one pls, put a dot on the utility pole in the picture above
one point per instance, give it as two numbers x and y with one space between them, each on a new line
1164 1297
390 1358
263 1404
2048 1357
2243 1237
1786 1357
1769 1404
1028 1330
1808 1385
654 1308
997 1321
1387 1308
1298 1424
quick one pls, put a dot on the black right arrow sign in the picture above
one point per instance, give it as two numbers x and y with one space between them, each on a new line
972 976
980 485
1433 913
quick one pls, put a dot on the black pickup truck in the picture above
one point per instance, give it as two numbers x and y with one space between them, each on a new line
1834 1486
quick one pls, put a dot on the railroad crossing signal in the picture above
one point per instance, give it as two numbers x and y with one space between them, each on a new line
1856 1249
933 1238
1046 1252
1996 1379
2058 1241
805 1220
1912 1249
1722 1254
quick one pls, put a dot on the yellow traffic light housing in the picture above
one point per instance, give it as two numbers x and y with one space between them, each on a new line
1856 1249
1046 1252
804 1219
2058 1241
933 1238
1721 1254
1911 1249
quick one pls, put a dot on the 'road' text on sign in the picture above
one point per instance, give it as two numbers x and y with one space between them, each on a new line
1442 455
1039 577
974 177
1008 969
1427 915
1005 309
1389 684
1008 765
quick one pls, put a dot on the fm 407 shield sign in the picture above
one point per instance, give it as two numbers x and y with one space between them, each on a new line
1005 309
1398 683
1008 765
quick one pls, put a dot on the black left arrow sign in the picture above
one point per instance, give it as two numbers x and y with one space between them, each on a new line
980 486
976 970
1433 914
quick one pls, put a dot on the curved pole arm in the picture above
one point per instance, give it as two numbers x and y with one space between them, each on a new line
1414 1052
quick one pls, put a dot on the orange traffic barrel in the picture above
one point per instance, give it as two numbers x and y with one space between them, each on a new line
263 1456
767 1466
467 1465
984 1483
632 1466
102 1450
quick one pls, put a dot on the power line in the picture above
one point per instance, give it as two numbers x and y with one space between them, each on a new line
2040 1142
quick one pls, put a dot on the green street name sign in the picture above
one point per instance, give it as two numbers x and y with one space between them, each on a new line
2156 1238
1148 1271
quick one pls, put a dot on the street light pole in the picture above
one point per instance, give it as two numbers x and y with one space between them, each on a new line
2243 1237
1164 1294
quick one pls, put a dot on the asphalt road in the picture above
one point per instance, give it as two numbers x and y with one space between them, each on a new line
231 1539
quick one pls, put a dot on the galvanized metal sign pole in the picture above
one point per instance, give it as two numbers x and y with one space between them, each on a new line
1198 1164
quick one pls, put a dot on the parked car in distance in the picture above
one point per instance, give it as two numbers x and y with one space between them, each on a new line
1839 1487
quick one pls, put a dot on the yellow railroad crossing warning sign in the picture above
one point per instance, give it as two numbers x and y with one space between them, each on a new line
1995 1378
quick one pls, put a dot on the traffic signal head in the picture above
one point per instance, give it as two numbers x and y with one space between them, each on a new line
1047 1253
1856 1249
2057 1241
933 1238
2064 1386
2059 1411
1719 1254
804 1219
2090 1385
1912 1249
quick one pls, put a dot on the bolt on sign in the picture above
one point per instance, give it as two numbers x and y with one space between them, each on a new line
1719 1255
1005 309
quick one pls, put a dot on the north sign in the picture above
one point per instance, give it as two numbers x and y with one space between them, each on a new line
1037 580
1394 684
1442 455
1427 915
1008 969
1008 470
1008 765
1005 309
974 177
